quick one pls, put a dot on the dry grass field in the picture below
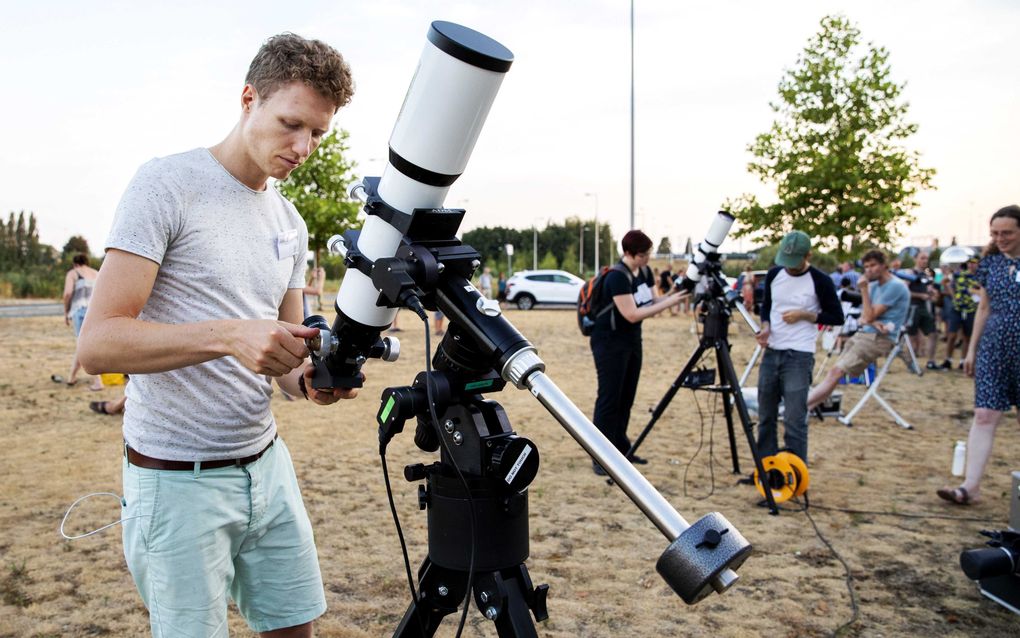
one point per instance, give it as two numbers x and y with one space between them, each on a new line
588 541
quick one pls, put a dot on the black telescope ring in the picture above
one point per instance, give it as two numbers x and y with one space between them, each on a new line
470 46
419 174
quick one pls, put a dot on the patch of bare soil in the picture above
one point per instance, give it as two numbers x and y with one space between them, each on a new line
588 541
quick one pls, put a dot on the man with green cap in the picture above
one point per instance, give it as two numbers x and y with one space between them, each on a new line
798 297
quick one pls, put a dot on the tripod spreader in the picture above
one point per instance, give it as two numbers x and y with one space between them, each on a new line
701 557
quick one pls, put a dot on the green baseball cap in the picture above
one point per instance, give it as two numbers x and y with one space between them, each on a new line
793 249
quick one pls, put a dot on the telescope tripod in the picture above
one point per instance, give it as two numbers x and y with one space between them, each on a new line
715 337
475 495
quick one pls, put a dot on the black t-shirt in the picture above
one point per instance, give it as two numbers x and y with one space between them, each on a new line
619 283
665 281
922 279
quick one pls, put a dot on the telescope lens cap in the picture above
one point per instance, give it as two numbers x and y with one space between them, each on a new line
470 46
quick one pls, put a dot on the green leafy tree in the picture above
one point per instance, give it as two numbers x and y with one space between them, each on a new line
569 261
665 248
75 244
490 242
549 261
318 189
835 153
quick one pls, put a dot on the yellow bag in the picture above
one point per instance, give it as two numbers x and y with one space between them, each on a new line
112 378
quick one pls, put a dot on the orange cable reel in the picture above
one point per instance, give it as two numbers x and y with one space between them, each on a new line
787 476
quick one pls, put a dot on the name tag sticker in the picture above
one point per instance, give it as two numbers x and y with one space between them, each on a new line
1017 277
643 295
286 244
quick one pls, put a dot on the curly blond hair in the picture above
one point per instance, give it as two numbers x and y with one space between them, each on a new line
288 58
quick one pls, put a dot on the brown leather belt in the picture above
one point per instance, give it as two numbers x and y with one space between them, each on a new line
138 459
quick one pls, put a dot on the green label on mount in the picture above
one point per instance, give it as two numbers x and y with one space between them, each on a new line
475 385
386 410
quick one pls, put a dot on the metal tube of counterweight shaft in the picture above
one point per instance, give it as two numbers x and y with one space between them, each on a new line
748 317
635 486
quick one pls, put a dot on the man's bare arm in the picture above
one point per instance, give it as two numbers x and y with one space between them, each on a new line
113 339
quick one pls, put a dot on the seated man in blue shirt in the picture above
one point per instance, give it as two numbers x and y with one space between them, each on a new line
885 301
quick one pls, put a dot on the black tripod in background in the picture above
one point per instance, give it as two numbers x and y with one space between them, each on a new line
716 307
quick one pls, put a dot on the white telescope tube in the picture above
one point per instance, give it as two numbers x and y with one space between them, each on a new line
714 238
458 76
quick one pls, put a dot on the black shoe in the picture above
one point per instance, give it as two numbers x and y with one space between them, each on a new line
598 469
932 365
637 460
946 365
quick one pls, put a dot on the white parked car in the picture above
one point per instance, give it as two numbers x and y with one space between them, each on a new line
529 287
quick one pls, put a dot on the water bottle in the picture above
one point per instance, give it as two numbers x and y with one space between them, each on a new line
959 458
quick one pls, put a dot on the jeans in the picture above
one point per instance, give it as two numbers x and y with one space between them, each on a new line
786 375
618 367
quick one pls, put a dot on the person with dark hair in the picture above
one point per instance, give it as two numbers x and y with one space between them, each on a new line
202 319
965 304
845 271
993 355
798 298
616 338
885 301
78 284
501 284
922 297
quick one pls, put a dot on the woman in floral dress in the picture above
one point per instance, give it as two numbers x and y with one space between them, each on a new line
993 358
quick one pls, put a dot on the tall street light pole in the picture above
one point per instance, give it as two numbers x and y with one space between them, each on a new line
595 195
580 261
632 114
534 250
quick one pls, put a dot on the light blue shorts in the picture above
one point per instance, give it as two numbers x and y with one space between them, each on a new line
77 319
241 532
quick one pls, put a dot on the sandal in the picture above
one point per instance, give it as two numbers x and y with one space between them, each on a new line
98 407
955 495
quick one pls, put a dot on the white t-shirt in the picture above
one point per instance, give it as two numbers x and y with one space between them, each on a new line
224 252
791 292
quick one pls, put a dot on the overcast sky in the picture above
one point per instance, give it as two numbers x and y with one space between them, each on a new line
93 89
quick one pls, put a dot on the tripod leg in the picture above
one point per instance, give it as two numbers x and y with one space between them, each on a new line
423 616
505 597
665 400
728 411
750 364
729 377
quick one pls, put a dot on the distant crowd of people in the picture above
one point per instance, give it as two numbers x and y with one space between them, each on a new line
972 306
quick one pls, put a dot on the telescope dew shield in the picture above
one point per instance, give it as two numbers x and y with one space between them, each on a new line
458 75
714 238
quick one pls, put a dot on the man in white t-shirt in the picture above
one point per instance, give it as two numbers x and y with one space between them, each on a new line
798 298
200 299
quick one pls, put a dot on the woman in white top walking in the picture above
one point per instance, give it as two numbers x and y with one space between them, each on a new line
77 292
